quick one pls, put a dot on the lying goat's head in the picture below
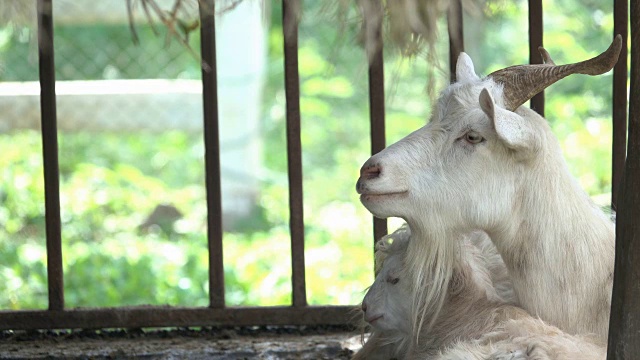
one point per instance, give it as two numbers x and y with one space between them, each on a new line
387 304
467 163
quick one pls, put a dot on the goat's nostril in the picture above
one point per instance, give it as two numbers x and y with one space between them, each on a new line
364 307
370 172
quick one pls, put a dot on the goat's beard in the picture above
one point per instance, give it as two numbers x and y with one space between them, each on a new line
429 263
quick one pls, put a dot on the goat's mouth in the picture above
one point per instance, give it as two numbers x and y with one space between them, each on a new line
372 319
365 196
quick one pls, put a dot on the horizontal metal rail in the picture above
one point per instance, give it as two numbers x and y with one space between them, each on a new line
134 317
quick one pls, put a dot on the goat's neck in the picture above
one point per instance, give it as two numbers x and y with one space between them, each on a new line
558 245
554 219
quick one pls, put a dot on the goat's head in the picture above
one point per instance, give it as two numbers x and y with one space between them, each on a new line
387 304
465 166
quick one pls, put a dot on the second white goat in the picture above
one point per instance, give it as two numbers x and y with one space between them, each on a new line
477 320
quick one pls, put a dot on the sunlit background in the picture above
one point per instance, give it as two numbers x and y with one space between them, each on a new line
132 153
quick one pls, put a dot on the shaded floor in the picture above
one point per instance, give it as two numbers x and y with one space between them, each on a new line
255 343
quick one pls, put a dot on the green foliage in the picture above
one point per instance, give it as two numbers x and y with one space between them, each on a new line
110 183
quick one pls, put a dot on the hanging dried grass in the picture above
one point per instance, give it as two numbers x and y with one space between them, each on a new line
179 20
410 26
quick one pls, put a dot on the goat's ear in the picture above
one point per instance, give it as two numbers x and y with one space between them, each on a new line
487 104
515 131
464 69
384 243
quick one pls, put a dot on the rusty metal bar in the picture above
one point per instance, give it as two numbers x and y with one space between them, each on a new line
294 150
55 275
212 152
376 106
624 324
128 317
456 36
619 99
536 29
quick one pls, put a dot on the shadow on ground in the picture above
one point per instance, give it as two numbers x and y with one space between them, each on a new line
206 343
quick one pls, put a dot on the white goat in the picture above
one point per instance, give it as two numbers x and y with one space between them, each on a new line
475 323
484 162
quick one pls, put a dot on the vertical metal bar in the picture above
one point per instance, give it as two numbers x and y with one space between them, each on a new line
212 152
50 154
456 35
536 29
624 324
290 14
376 104
619 99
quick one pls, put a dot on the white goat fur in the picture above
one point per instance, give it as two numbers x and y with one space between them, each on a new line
514 185
475 322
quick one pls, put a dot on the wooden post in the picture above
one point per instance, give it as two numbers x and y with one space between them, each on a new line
624 325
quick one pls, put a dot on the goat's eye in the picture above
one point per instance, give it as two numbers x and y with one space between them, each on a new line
392 280
473 137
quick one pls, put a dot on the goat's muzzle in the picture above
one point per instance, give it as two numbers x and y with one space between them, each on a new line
370 171
367 172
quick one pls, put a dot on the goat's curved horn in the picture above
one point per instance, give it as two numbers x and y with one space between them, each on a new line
546 58
522 82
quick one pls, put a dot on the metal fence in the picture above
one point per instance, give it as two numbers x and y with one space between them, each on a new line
299 313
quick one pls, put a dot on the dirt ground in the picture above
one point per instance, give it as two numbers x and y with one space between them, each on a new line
209 343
